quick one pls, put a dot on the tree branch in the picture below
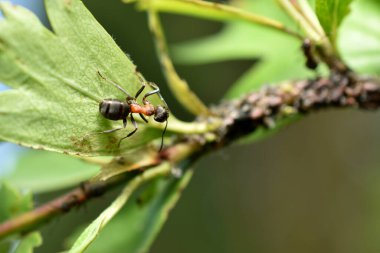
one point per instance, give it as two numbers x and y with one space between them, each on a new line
59 206
92 189
271 104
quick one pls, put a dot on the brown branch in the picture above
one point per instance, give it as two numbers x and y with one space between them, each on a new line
58 206
270 104
92 189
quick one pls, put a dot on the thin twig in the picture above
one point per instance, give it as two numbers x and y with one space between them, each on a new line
294 12
310 15
59 206
178 86
216 11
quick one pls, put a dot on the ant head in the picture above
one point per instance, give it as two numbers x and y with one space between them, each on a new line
161 114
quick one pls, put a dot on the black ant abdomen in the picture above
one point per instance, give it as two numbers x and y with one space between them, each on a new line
114 109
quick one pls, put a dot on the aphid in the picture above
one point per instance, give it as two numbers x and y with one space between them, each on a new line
115 109
307 49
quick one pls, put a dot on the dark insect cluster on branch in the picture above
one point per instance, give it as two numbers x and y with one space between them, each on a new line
265 107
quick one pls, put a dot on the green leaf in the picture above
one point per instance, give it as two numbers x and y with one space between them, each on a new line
135 160
28 243
14 203
93 230
246 41
55 101
142 218
330 14
42 171
25 244
359 41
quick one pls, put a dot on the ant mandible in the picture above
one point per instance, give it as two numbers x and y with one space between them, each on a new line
115 109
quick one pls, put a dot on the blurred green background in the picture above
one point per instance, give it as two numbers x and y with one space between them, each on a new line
313 187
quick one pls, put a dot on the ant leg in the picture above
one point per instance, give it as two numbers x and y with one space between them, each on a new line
144 119
103 132
114 84
116 129
110 130
155 91
143 83
134 124
131 133
139 91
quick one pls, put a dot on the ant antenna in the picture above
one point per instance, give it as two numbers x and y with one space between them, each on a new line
162 136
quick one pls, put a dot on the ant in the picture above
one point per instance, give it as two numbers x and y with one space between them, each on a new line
307 48
115 109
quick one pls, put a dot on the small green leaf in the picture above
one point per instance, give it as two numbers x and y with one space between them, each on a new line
4 246
359 41
28 243
94 229
330 14
43 171
55 101
142 218
14 203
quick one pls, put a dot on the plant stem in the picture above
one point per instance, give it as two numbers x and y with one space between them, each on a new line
178 86
213 11
182 127
302 13
293 12
309 14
